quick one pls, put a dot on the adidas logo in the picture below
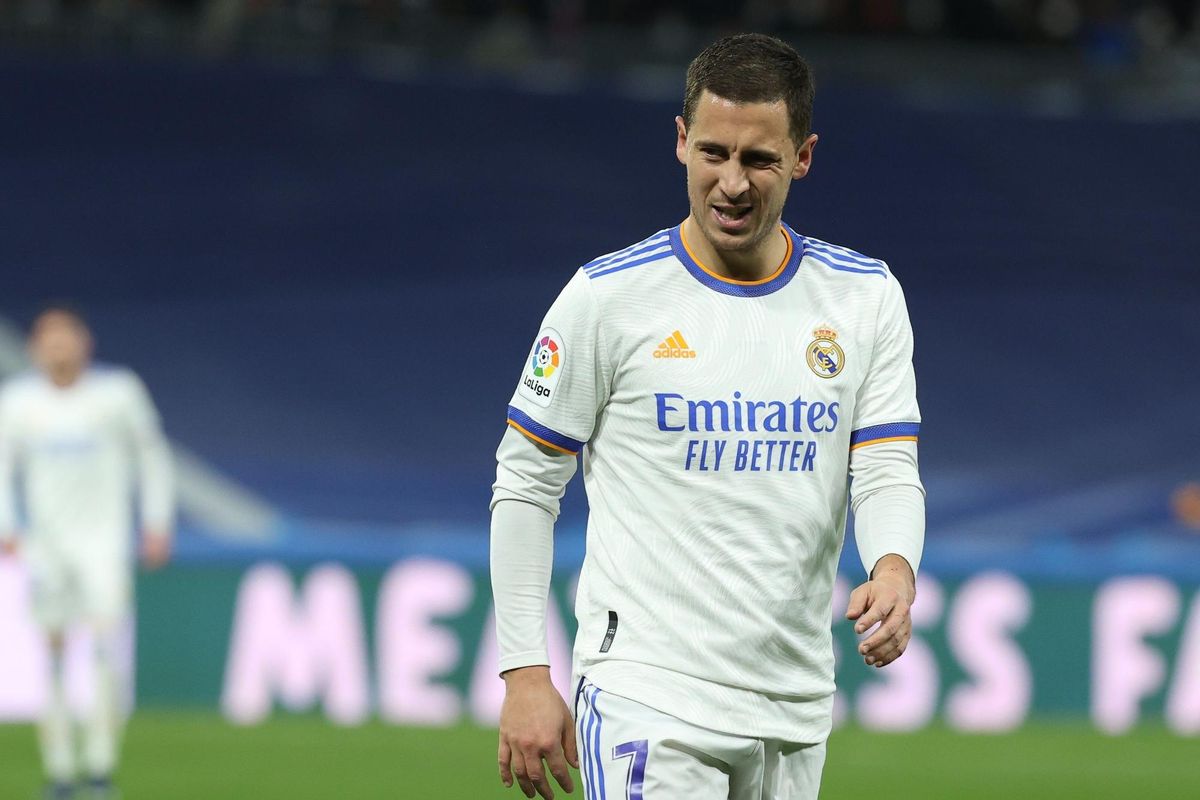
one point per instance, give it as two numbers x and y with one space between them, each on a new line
675 346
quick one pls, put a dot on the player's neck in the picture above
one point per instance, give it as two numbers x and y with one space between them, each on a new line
66 377
747 265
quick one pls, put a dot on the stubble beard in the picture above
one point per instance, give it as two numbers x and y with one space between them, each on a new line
722 242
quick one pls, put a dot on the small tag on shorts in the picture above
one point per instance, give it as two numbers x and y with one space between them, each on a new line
610 633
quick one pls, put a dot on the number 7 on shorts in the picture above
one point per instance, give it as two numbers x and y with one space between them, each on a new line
636 751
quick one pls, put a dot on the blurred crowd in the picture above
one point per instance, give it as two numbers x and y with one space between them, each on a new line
1014 20
1108 30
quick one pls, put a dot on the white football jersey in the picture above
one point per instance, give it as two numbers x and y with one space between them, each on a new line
78 451
717 420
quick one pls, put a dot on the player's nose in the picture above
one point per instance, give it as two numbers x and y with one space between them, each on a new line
734 181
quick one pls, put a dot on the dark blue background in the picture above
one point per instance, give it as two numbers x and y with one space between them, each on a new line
329 281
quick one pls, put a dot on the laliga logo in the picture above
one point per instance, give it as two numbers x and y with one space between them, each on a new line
825 356
545 367
545 357
540 389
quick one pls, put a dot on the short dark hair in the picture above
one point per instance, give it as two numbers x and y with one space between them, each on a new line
63 308
753 68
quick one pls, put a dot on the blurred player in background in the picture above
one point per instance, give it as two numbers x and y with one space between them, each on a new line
80 436
725 379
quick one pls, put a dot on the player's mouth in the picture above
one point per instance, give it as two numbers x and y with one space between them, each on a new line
732 218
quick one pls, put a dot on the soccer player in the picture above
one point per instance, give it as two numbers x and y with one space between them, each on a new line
80 435
732 385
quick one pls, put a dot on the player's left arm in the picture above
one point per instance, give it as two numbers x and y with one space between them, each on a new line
155 475
8 460
886 495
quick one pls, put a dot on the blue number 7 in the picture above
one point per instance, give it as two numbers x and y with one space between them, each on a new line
637 768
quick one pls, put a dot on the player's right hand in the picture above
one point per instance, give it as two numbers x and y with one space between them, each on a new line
9 546
156 549
535 726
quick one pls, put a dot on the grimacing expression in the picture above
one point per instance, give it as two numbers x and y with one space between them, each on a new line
59 343
741 161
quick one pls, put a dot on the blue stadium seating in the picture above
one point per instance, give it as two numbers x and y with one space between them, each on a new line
329 281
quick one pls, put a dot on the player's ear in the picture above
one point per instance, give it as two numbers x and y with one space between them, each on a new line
681 140
804 157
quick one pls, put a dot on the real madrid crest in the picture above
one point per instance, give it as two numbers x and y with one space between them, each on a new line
825 355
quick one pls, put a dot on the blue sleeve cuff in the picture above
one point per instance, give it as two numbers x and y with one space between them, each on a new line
540 433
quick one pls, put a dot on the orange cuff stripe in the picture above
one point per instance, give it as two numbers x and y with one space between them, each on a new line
887 439
540 440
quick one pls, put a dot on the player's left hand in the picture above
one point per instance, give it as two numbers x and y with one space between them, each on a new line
886 601
156 549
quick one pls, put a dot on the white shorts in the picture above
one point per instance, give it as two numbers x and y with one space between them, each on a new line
65 590
628 751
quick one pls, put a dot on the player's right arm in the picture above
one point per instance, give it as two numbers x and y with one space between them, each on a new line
537 738
552 413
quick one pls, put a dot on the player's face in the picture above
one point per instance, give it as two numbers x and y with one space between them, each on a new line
60 345
740 161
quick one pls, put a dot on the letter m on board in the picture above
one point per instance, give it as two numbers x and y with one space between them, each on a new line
297 648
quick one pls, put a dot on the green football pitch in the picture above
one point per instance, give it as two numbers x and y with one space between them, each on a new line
170 755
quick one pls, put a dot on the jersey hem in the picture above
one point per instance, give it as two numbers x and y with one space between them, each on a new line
719 707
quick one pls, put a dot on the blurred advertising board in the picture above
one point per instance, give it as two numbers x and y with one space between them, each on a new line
414 644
